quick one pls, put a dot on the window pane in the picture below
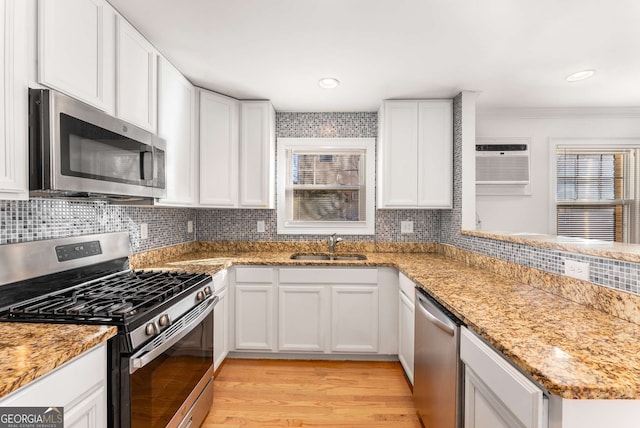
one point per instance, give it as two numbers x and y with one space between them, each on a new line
327 205
591 222
589 177
327 186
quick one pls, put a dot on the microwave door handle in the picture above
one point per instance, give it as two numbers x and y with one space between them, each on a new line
155 167
146 164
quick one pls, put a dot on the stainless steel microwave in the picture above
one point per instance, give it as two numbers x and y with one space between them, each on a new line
76 150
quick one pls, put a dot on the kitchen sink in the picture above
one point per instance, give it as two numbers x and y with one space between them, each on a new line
329 257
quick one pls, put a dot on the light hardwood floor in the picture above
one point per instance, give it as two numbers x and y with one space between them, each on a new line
276 393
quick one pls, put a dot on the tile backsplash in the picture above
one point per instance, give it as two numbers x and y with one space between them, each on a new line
36 219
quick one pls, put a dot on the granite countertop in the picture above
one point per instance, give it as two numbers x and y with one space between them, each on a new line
29 351
573 351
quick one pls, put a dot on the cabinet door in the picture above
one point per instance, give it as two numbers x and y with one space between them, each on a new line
136 77
13 92
89 413
254 317
354 318
220 329
399 167
435 158
76 49
257 155
302 318
218 150
406 324
176 110
482 408
498 388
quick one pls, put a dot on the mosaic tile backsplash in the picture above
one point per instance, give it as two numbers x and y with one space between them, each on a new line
36 219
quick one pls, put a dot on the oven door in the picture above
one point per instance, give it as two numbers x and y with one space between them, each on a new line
171 377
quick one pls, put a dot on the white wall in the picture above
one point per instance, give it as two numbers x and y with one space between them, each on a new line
531 213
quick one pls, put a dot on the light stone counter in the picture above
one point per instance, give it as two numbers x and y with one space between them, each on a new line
29 351
577 349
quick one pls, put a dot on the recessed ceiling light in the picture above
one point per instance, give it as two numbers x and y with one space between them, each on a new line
580 75
328 83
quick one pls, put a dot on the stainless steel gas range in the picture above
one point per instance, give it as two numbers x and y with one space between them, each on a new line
160 367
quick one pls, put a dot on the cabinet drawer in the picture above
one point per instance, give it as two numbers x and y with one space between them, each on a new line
408 287
329 275
254 274
519 394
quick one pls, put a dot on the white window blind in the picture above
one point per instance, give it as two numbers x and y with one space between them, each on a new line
327 186
592 193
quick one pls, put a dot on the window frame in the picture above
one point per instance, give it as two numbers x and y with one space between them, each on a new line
366 227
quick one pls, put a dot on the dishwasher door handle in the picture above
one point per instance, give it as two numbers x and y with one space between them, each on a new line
423 304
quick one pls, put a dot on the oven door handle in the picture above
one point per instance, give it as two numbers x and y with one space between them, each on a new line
149 353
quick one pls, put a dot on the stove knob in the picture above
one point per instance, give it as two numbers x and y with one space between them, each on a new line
151 329
207 291
164 320
199 296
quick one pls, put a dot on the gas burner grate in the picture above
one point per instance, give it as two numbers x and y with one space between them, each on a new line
113 298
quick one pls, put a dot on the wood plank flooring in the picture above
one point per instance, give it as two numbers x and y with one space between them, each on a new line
277 393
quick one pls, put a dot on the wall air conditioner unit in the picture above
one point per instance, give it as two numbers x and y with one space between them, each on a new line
502 166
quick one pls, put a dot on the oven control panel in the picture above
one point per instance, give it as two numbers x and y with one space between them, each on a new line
78 251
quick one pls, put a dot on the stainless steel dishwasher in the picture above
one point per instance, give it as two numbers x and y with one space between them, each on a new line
437 388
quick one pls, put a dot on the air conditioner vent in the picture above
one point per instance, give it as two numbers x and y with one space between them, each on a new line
502 166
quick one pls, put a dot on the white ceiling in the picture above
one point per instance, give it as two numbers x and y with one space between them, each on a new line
517 53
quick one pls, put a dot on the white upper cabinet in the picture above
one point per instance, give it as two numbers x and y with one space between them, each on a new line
218 150
415 161
76 42
257 154
136 77
13 92
176 124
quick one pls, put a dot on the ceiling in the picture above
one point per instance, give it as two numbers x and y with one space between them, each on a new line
516 53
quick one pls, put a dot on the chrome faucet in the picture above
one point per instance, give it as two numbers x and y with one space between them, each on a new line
333 241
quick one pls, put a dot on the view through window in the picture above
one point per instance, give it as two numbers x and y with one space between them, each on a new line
596 193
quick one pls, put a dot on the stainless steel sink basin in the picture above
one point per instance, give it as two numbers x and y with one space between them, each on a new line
328 257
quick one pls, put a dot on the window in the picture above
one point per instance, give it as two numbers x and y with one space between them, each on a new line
326 185
595 193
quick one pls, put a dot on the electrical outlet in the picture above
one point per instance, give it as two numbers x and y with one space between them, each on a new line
144 231
406 227
576 269
260 226
190 226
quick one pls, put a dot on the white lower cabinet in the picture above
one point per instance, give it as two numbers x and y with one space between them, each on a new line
496 393
354 318
315 310
254 308
79 386
406 325
220 319
302 318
